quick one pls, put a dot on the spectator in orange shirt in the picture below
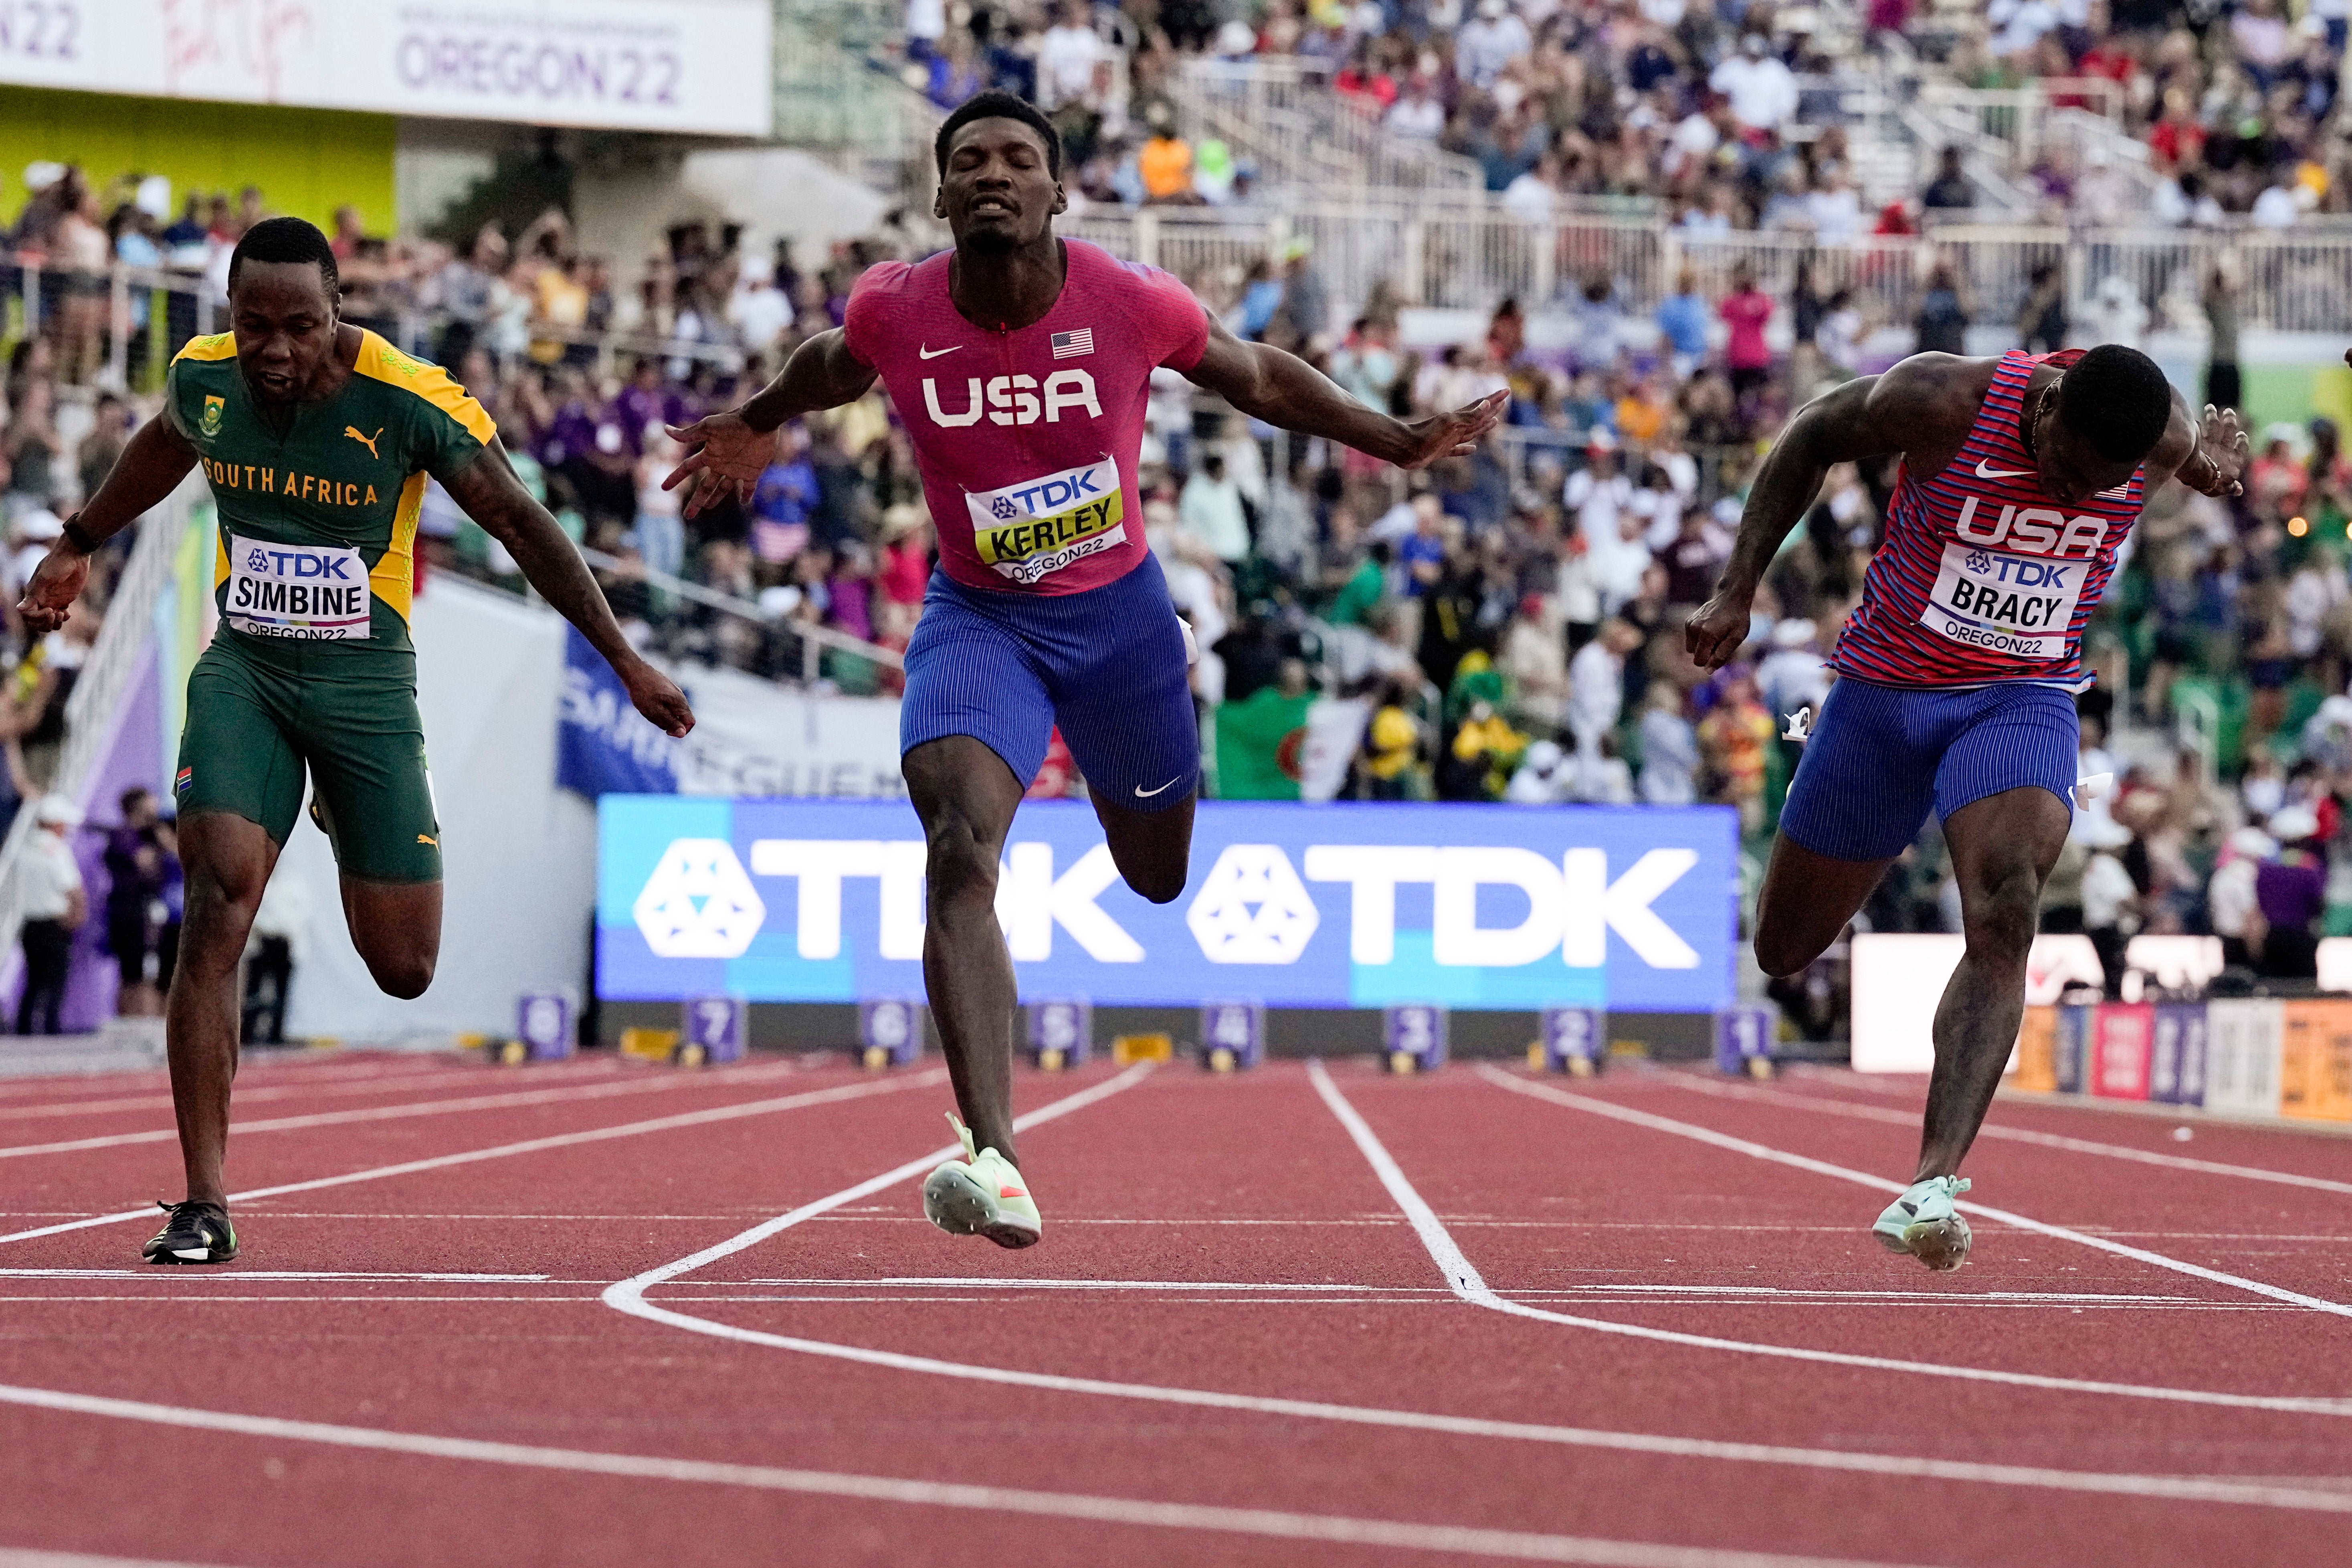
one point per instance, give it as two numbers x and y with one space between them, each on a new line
1732 739
1166 161
1641 413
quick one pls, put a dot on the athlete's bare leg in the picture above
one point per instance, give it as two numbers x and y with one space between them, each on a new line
396 926
1153 849
966 796
226 861
1806 900
2002 849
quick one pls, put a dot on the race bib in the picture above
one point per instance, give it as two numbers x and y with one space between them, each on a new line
1038 526
314 592
2017 604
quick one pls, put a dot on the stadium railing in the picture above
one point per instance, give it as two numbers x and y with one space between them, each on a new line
814 640
94 706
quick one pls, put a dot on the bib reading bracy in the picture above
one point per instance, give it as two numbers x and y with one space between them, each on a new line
313 566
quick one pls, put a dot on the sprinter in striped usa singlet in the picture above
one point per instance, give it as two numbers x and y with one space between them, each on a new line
1957 673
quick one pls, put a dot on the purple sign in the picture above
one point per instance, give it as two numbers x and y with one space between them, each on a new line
544 1025
1572 1035
1061 1032
2177 1060
1415 1038
2070 1049
1233 1035
712 1029
890 1033
1743 1035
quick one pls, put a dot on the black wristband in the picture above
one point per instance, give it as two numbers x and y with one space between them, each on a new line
78 536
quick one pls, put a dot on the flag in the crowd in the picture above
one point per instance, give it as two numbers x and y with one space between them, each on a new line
1273 747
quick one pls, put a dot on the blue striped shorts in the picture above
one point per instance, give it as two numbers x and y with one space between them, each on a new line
1882 756
1108 665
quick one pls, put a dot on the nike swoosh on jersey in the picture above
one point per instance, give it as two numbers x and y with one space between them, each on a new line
1985 473
1142 794
934 353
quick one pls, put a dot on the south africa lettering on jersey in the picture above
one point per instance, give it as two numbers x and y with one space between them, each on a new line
1982 578
1028 438
315 593
1038 526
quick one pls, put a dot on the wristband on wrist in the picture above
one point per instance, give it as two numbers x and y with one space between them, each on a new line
78 537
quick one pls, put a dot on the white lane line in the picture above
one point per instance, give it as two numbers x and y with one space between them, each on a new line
528 1146
9 1559
245 1095
926 1282
1519 1546
1879 1183
1467 1283
628 1296
192 1276
601 1090
1832 1107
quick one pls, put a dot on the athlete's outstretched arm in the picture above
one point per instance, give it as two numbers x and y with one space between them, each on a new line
729 451
492 494
1281 389
1866 418
151 468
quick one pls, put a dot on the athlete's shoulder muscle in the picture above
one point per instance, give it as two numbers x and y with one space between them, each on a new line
430 384
1924 407
875 299
1158 309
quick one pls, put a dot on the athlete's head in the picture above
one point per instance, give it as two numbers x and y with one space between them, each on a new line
2099 422
283 292
1000 172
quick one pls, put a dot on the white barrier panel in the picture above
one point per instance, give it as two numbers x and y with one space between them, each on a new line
1898 979
2243 1042
2336 963
2175 962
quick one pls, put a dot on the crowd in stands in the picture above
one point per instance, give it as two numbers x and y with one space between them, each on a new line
1720 114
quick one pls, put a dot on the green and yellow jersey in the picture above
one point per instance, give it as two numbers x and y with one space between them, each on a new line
318 527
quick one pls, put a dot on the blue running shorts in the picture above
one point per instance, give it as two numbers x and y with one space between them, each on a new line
1880 756
1108 665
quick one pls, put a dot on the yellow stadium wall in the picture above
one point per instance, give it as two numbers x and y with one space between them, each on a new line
307 161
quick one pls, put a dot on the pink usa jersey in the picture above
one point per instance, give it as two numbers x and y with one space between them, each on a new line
1982 578
1028 439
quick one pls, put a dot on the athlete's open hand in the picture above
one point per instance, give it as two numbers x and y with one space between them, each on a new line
1454 434
1720 629
657 697
53 587
2223 446
724 455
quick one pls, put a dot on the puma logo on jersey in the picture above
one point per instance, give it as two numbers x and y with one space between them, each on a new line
367 441
2035 530
1016 399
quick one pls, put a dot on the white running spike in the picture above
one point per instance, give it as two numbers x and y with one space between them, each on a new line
1800 725
2090 789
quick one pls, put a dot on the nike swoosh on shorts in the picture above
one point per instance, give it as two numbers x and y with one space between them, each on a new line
1142 794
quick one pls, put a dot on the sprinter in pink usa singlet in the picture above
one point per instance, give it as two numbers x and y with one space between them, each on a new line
1957 675
1018 363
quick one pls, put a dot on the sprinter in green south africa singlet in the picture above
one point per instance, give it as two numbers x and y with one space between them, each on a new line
312 570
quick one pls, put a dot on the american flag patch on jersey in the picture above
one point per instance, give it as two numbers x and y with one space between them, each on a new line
1070 345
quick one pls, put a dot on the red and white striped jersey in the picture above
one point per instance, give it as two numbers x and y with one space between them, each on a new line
1981 577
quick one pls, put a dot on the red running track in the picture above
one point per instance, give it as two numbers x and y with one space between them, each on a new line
598 1313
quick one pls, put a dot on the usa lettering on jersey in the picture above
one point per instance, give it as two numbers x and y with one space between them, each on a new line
1016 399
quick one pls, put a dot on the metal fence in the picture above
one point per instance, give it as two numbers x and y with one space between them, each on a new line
2292 280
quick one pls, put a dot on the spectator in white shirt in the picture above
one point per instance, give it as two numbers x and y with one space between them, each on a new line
1602 497
55 904
1596 685
1489 42
1534 197
1065 60
1836 210
1762 91
2281 206
757 310
1417 116
1211 509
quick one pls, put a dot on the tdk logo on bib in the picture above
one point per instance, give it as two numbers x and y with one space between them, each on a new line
1027 530
318 593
